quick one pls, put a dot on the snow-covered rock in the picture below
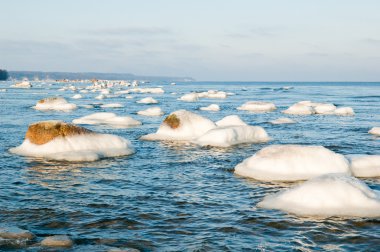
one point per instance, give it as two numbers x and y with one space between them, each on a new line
181 125
23 84
365 166
148 100
211 107
257 106
344 111
154 111
325 196
282 120
232 135
107 119
57 140
291 163
309 108
77 96
299 109
192 97
55 103
375 131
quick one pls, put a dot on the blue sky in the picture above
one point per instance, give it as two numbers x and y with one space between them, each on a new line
248 40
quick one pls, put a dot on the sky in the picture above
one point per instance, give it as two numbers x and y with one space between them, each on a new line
214 40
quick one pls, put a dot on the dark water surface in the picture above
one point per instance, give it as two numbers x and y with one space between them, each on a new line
172 197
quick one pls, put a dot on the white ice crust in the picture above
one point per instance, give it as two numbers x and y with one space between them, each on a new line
211 107
89 147
148 100
257 106
325 196
365 166
282 120
375 131
153 111
191 126
107 119
59 103
291 163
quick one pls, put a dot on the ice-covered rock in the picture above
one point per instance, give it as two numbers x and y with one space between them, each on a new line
231 120
257 106
324 108
77 96
192 97
213 94
282 120
291 163
154 111
375 131
100 97
181 125
107 119
57 241
328 195
232 135
148 100
55 103
157 90
211 107
299 109
62 141
344 111
23 84
112 105
365 166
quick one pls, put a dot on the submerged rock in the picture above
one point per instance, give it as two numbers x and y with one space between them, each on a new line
57 241
15 233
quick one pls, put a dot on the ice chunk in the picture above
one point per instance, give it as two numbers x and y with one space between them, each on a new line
211 107
54 103
61 141
257 106
181 125
328 195
154 111
112 105
375 131
77 96
365 166
344 111
148 100
282 120
232 135
231 120
291 163
108 119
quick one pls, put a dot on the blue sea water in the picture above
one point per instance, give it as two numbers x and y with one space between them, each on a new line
172 197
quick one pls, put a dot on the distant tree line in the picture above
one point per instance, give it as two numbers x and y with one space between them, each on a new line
3 75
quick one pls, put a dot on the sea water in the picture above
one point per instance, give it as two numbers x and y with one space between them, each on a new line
181 197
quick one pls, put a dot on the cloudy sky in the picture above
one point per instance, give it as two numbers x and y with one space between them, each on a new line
248 40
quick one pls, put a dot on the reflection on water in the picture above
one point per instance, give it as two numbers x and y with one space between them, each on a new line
171 196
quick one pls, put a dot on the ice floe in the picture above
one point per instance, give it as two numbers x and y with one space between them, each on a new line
107 119
54 103
181 125
365 166
309 108
328 195
257 106
57 140
112 105
211 107
291 163
148 100
375 131
154 111
282 120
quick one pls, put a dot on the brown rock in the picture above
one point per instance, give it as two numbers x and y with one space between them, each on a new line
57 241
43 132
15 233
172 121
